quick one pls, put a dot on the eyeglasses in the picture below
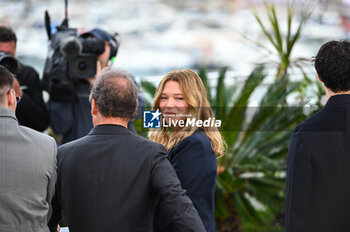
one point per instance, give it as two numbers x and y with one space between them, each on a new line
18 98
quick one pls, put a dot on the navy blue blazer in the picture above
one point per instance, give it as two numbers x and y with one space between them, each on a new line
318 172
195 164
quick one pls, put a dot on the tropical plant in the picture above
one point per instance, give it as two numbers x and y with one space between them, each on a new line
283 43
251 174
252 183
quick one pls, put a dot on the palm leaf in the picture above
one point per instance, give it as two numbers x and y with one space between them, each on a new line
221 94
233 122
203 74
245 208
274 23
148 87
266 33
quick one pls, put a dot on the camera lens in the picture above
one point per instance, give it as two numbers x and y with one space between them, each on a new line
6 64
9 63
82 65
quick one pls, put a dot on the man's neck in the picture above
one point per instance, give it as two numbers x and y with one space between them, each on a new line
329 93
4 106
114 121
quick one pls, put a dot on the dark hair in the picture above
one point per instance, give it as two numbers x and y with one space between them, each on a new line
7 34
332 64
6 81
115 94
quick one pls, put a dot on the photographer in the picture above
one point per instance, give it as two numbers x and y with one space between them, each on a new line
31 112
69 106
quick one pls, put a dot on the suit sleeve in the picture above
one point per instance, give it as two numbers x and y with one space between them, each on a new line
57 215
53 174
51 186
299 184
31 111
172 197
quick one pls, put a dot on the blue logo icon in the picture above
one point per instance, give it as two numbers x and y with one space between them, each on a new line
151 119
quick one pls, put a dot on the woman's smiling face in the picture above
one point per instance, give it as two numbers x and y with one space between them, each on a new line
172 102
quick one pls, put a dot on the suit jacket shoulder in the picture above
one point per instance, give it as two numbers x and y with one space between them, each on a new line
129 138
198 138
328 119
44 138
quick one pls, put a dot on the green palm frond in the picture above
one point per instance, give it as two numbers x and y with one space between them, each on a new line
283 44
234 120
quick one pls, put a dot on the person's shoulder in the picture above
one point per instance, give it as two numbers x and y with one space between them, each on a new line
196 144
27 68
40 140
31 133
27 72
147 144
77 146
199 138
75 143
322 121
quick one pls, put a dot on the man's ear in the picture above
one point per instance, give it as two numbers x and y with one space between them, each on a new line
94 108
11 100
318 76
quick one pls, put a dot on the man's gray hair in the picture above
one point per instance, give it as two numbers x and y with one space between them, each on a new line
115 94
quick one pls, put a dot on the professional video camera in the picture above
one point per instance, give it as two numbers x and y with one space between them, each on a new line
8 62
80 53
71 57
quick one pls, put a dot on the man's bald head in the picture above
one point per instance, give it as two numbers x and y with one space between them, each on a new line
115 94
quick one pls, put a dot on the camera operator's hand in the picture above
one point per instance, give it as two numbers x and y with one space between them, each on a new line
17 87
104 57
98 67
98 71
91 81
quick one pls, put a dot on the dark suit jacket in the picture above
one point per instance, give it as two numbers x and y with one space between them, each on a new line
318 173
195 164
31 111
110 180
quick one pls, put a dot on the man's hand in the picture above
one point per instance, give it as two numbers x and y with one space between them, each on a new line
17 87
98 71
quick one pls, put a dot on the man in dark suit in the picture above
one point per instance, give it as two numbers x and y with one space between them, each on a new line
318 173
111 179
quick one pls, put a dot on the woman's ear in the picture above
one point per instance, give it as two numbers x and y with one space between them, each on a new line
318 76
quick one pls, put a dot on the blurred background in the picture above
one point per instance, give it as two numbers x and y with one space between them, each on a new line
248 53
160 35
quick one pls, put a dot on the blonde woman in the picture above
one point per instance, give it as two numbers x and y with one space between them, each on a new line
192 147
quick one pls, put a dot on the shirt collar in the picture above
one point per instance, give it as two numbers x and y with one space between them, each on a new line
337 100
4 112
109 129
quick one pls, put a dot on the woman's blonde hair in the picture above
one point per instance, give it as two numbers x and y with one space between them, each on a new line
195 95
